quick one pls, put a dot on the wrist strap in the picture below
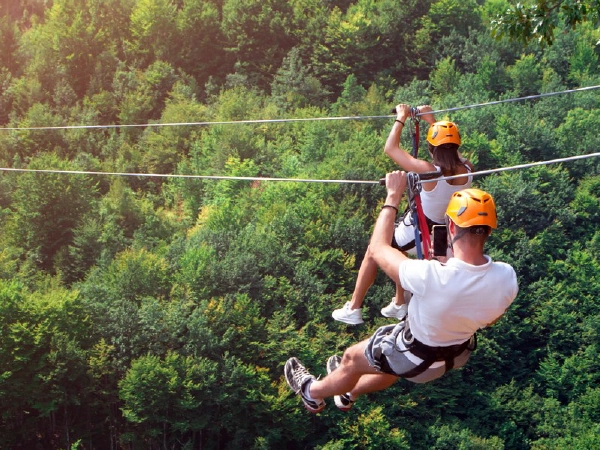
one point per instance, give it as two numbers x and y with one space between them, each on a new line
399 121
389 206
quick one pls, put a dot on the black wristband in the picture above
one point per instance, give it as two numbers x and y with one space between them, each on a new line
399 121
389 206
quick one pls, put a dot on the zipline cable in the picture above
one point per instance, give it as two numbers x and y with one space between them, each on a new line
159 175
306 119
529 97
519 166
179 124
296 180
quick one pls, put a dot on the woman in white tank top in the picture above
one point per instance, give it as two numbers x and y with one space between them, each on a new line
443 140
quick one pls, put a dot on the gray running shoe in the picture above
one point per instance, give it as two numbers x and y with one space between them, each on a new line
342 401
297 376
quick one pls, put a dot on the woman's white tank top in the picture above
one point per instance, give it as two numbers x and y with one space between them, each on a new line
435 202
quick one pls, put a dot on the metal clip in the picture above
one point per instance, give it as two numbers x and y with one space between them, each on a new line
413 113
413 182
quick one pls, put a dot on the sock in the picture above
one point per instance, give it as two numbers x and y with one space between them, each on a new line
306 392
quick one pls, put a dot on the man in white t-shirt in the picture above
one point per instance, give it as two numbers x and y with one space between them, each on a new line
450 303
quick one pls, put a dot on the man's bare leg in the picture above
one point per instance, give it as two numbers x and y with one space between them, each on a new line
348 377
372 383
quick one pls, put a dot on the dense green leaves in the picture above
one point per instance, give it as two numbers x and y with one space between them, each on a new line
539 19
157 312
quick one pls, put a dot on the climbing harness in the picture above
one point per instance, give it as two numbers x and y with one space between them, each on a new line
398 338
418 219
429 354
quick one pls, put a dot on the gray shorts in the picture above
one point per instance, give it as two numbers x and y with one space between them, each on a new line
386 351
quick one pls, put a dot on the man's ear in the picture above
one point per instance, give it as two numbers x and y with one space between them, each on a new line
451 227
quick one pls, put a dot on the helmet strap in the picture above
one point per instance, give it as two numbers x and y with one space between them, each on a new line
460 232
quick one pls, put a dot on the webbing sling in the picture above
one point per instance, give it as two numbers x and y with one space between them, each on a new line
429 354
419 221
414 131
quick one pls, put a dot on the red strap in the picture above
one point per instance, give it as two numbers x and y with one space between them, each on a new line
425 237
415 138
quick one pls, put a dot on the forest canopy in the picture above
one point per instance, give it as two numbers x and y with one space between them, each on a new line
157 312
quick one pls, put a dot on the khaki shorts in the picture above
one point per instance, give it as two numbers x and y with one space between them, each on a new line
386 351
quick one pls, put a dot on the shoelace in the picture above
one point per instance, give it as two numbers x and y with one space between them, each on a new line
300 375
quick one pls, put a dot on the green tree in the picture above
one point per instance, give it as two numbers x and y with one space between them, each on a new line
445 77
143 94
46 210
61 50
294 86
257 32
525 75
43 379
583 63
445 17
201 42
153 30
170 400
373 430
519 194
370 37
455 438
575 137
164 147
540 19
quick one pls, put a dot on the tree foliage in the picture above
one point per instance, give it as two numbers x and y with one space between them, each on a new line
539 19
149 311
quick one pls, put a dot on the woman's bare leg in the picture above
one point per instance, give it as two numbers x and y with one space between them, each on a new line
365 279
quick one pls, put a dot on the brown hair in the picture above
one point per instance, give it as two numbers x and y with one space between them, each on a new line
446 156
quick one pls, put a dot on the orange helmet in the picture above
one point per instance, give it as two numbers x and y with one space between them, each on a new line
472 207
443 132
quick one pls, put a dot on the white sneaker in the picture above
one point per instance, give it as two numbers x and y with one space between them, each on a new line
393 310
347 315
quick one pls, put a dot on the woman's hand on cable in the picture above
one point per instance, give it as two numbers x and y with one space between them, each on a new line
423 110
395 183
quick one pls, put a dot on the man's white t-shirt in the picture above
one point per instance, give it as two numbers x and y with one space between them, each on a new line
452 301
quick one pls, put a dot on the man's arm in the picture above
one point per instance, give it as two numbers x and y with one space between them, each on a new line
387 257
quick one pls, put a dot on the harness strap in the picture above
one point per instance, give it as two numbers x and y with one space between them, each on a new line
418 370
418 218
429 354
413 196
424 228
415 131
